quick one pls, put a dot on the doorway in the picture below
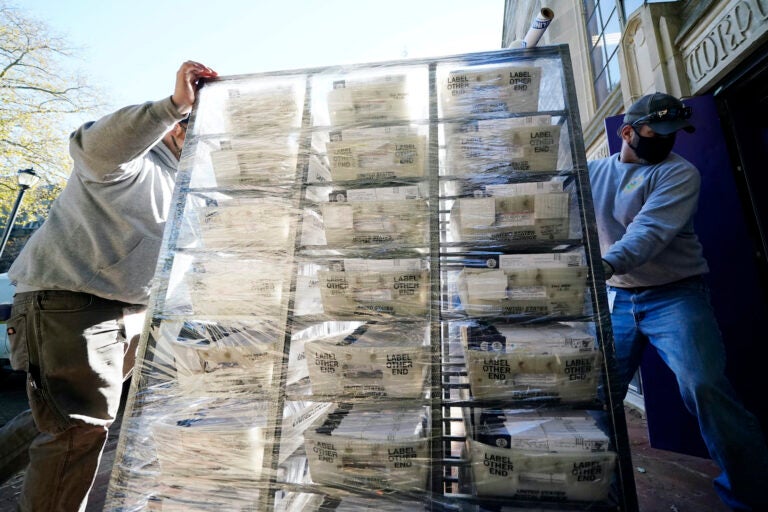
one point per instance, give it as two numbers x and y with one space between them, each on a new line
742 103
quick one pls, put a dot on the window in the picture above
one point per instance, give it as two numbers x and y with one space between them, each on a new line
630 6
604 31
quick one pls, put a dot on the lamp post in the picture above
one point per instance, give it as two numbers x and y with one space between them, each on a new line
27 178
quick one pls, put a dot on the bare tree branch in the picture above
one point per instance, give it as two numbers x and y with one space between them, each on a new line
38 90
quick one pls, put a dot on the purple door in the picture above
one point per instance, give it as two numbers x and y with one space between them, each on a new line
737 297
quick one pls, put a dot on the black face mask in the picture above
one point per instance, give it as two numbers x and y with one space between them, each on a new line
653 149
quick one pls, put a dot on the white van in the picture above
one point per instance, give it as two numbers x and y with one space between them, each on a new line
6 299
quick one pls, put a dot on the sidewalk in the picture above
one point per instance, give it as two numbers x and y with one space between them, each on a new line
13 400
666 481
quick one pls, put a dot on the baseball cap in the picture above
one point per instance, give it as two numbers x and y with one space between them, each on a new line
665 114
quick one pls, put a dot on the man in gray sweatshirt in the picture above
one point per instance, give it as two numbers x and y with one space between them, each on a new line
79 278
645 198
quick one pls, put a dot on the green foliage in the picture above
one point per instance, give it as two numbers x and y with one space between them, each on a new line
38 91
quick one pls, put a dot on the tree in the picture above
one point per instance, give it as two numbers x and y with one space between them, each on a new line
38 91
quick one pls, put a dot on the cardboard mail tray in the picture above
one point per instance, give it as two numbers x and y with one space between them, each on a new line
374 360
228 360
523 291
375 223
382 98
539 338
245 222
224 444
569 377
222 286
496 147
555 361
498 89
521 217
247 166
376 153
537 475
541 431
266 110
375 289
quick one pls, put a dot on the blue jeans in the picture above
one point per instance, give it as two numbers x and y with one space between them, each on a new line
73 347
678 321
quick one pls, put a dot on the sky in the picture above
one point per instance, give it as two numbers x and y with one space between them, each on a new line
132 49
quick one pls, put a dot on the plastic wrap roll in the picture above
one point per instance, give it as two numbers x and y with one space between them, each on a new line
538 26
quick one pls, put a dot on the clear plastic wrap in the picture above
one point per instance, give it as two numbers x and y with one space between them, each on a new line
377 291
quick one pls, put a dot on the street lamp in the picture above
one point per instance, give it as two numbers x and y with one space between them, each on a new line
27 178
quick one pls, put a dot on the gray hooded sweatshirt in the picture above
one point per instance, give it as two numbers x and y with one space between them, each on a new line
103 233
644 217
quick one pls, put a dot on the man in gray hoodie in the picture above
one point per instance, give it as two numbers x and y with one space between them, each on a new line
645 198
78 280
